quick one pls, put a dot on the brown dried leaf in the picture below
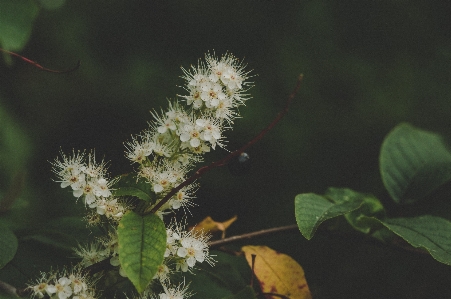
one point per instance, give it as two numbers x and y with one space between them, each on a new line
210 226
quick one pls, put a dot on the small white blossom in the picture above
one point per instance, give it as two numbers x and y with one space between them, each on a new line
111 208
91 254
183 197
87 179
63 285
162 272
191 133
187 247
139 150
175 292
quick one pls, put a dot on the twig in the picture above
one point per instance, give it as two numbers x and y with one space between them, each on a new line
237 152
40 66
262 232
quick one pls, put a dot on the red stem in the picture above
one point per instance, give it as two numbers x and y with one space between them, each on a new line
40 66
237 152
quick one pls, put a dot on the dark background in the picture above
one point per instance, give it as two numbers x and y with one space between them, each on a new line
368 65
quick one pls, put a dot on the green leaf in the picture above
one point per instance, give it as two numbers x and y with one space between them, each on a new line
16 22
63 233
246 293
31 259
142 243
427 232
413 163
371 206
227 277
8 246
130 185
311 210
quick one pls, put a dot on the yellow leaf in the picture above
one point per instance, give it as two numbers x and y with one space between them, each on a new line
277 273
211 226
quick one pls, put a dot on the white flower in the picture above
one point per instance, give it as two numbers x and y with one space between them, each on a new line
88 190
183 198
211 94
162 272
224 110
78 283
163 181
69 168
202 148
211 131
111 208
195 98
88 180
164 123
178 292
138 151
42 287
160 149
63 288
101 188
87 295
91 254
228 69
192 251
187 247
195 79
191 133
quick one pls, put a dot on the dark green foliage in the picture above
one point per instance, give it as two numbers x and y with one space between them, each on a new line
413 163
131 185
409 159
8 246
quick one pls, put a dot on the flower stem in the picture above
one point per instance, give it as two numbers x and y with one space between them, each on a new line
237 152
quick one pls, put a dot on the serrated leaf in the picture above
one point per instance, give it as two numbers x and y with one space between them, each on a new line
277 273
8 246
311 210
142 243
371 206
130 185
16 21
413 163
427 232
246 293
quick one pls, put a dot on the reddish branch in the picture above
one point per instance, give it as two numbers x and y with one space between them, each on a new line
237 152
40 66
263 232
103 265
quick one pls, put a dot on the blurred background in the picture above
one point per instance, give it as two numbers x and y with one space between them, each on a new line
367 65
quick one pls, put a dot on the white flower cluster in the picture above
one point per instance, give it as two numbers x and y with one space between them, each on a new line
63 286
165 153
169 292
186 248
217 87
88 179
103 248
177 138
